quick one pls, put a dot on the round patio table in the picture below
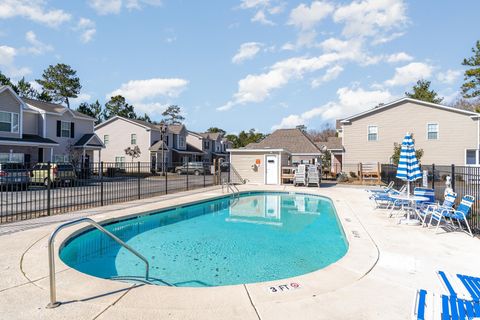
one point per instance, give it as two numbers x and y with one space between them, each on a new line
413 200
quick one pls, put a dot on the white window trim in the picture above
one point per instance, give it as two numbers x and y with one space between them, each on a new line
106 141
69 129
438 131
477 157
368 132
184 144
131 138
11 122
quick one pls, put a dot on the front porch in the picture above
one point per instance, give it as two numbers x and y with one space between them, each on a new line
28 149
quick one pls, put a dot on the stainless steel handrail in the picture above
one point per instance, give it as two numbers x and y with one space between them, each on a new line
51 255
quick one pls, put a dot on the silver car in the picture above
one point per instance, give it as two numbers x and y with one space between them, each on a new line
197 168
14 174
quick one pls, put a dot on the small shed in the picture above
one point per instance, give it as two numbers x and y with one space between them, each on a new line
260 165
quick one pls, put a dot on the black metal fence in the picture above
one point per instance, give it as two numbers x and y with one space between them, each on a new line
465 180
30 191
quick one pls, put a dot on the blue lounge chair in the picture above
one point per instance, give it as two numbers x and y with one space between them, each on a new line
462 286
436 211
460 214
385 189
384 199
444 307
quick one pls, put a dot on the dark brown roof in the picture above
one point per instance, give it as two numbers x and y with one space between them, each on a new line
332 143
53 107
293 140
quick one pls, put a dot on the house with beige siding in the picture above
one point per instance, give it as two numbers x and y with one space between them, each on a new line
447 135
119 133
213 144
36 131
262 162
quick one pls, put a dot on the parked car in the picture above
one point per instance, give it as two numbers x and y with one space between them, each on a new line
13 174
60 173
196 168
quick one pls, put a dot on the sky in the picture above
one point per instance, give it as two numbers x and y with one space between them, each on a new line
242 64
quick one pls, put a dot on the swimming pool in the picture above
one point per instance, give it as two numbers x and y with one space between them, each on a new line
260 236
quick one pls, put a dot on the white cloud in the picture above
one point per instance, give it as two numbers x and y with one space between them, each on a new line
350 101
449 76
262 7
247 51
82 97
262 18
306 17
141 90
399 57
362 18
256 88
36 46
249 4
87 29
7 63
104 7
330 74
33 10
410 73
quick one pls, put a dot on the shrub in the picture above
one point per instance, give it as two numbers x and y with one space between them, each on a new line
353 174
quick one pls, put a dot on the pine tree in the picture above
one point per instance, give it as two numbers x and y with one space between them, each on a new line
471 86
421 91
117 106
60 83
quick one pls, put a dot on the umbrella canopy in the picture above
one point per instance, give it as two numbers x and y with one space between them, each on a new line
408 168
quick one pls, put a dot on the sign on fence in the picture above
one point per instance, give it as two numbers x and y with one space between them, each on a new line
425 179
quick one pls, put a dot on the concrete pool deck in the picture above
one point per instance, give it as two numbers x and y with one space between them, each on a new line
376 279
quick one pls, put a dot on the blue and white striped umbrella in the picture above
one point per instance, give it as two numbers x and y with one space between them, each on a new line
408 168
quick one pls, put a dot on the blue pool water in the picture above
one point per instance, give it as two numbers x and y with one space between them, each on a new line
259 237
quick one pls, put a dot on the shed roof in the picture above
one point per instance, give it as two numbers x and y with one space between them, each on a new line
294 140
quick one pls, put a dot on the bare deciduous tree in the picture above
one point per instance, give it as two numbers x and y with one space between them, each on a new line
322 135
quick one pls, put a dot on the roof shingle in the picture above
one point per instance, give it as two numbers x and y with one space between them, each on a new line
293 140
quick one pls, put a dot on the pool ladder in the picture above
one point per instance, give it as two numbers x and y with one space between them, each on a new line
51 254
233 189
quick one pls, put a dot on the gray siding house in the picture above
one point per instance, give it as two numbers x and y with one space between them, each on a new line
36 131
118 133
447 135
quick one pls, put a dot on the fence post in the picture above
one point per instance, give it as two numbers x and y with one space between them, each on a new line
433 175
204 173
166 179
101 183
187 176
138 178
49 188
453 177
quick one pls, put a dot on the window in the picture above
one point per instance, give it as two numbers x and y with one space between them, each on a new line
432 131
120 162
372 133
61 158
206 144
133 138
9 122
65 129
181 142
471 157
11 157
106 139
